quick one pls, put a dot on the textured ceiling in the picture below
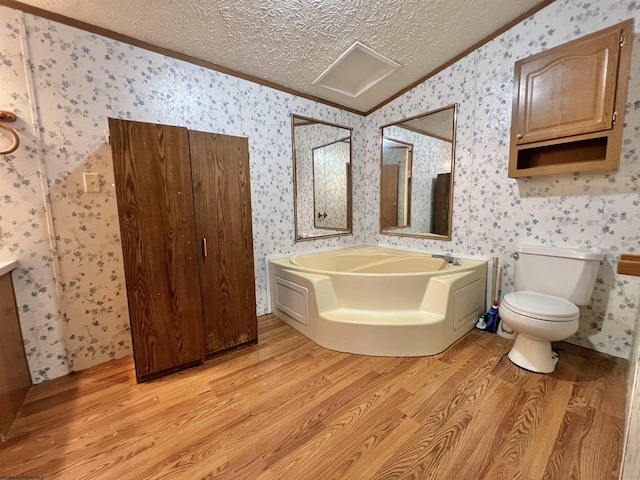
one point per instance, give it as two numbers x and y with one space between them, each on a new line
291 42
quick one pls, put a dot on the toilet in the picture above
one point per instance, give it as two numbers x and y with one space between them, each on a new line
549 284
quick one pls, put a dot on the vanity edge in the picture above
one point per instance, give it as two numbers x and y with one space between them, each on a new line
7 266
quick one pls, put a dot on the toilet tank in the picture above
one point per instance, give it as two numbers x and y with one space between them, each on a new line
562 272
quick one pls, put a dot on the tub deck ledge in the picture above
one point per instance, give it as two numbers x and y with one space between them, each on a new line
390 318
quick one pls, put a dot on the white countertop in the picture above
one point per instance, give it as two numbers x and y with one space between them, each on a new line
6 267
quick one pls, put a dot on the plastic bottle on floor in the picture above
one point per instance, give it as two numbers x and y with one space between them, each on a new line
492 318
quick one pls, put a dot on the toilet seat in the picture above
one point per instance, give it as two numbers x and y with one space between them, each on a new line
540 306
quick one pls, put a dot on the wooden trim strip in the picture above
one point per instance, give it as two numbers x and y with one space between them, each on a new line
473 47
629 265
56 17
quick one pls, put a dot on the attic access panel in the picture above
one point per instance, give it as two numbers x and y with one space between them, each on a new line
356 70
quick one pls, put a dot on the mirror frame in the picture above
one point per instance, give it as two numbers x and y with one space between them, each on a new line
345 232
429 236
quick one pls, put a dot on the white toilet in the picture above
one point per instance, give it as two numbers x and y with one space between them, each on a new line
549 283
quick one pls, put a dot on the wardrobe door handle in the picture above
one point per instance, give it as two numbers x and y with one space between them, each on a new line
204 247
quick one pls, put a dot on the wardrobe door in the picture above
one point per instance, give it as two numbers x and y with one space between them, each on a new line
222 197
155 207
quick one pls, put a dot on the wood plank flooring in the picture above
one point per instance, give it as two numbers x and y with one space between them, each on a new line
289 409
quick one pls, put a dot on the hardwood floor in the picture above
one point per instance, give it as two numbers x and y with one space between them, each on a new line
287 408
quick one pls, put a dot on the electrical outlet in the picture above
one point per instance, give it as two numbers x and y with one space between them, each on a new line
91 182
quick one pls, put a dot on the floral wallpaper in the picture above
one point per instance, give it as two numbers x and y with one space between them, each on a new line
63 83
74 81
24 223
492 213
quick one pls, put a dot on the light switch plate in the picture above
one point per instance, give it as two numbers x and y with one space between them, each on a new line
91 182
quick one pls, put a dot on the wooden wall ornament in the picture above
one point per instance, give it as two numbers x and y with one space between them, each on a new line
7 116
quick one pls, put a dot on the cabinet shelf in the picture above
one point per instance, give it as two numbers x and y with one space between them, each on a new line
582 155
568 105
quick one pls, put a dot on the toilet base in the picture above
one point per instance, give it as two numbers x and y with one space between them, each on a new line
533 355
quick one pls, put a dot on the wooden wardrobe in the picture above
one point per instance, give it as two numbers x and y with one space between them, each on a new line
184 204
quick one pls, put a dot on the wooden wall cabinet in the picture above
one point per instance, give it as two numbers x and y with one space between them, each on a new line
184 206
568 105
15 379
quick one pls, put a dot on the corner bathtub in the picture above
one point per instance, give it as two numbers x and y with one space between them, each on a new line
378 301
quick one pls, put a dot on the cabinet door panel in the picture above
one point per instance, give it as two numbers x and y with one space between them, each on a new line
155 206
222 197
568 90
15 379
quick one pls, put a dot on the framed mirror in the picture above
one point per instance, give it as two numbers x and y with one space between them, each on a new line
322 178
417 158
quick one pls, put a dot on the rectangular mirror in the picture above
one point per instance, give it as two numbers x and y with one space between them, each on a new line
322 178
417 157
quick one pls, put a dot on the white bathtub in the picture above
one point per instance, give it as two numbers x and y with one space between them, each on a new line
378 301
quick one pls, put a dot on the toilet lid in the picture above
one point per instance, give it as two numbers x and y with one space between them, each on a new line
540 306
